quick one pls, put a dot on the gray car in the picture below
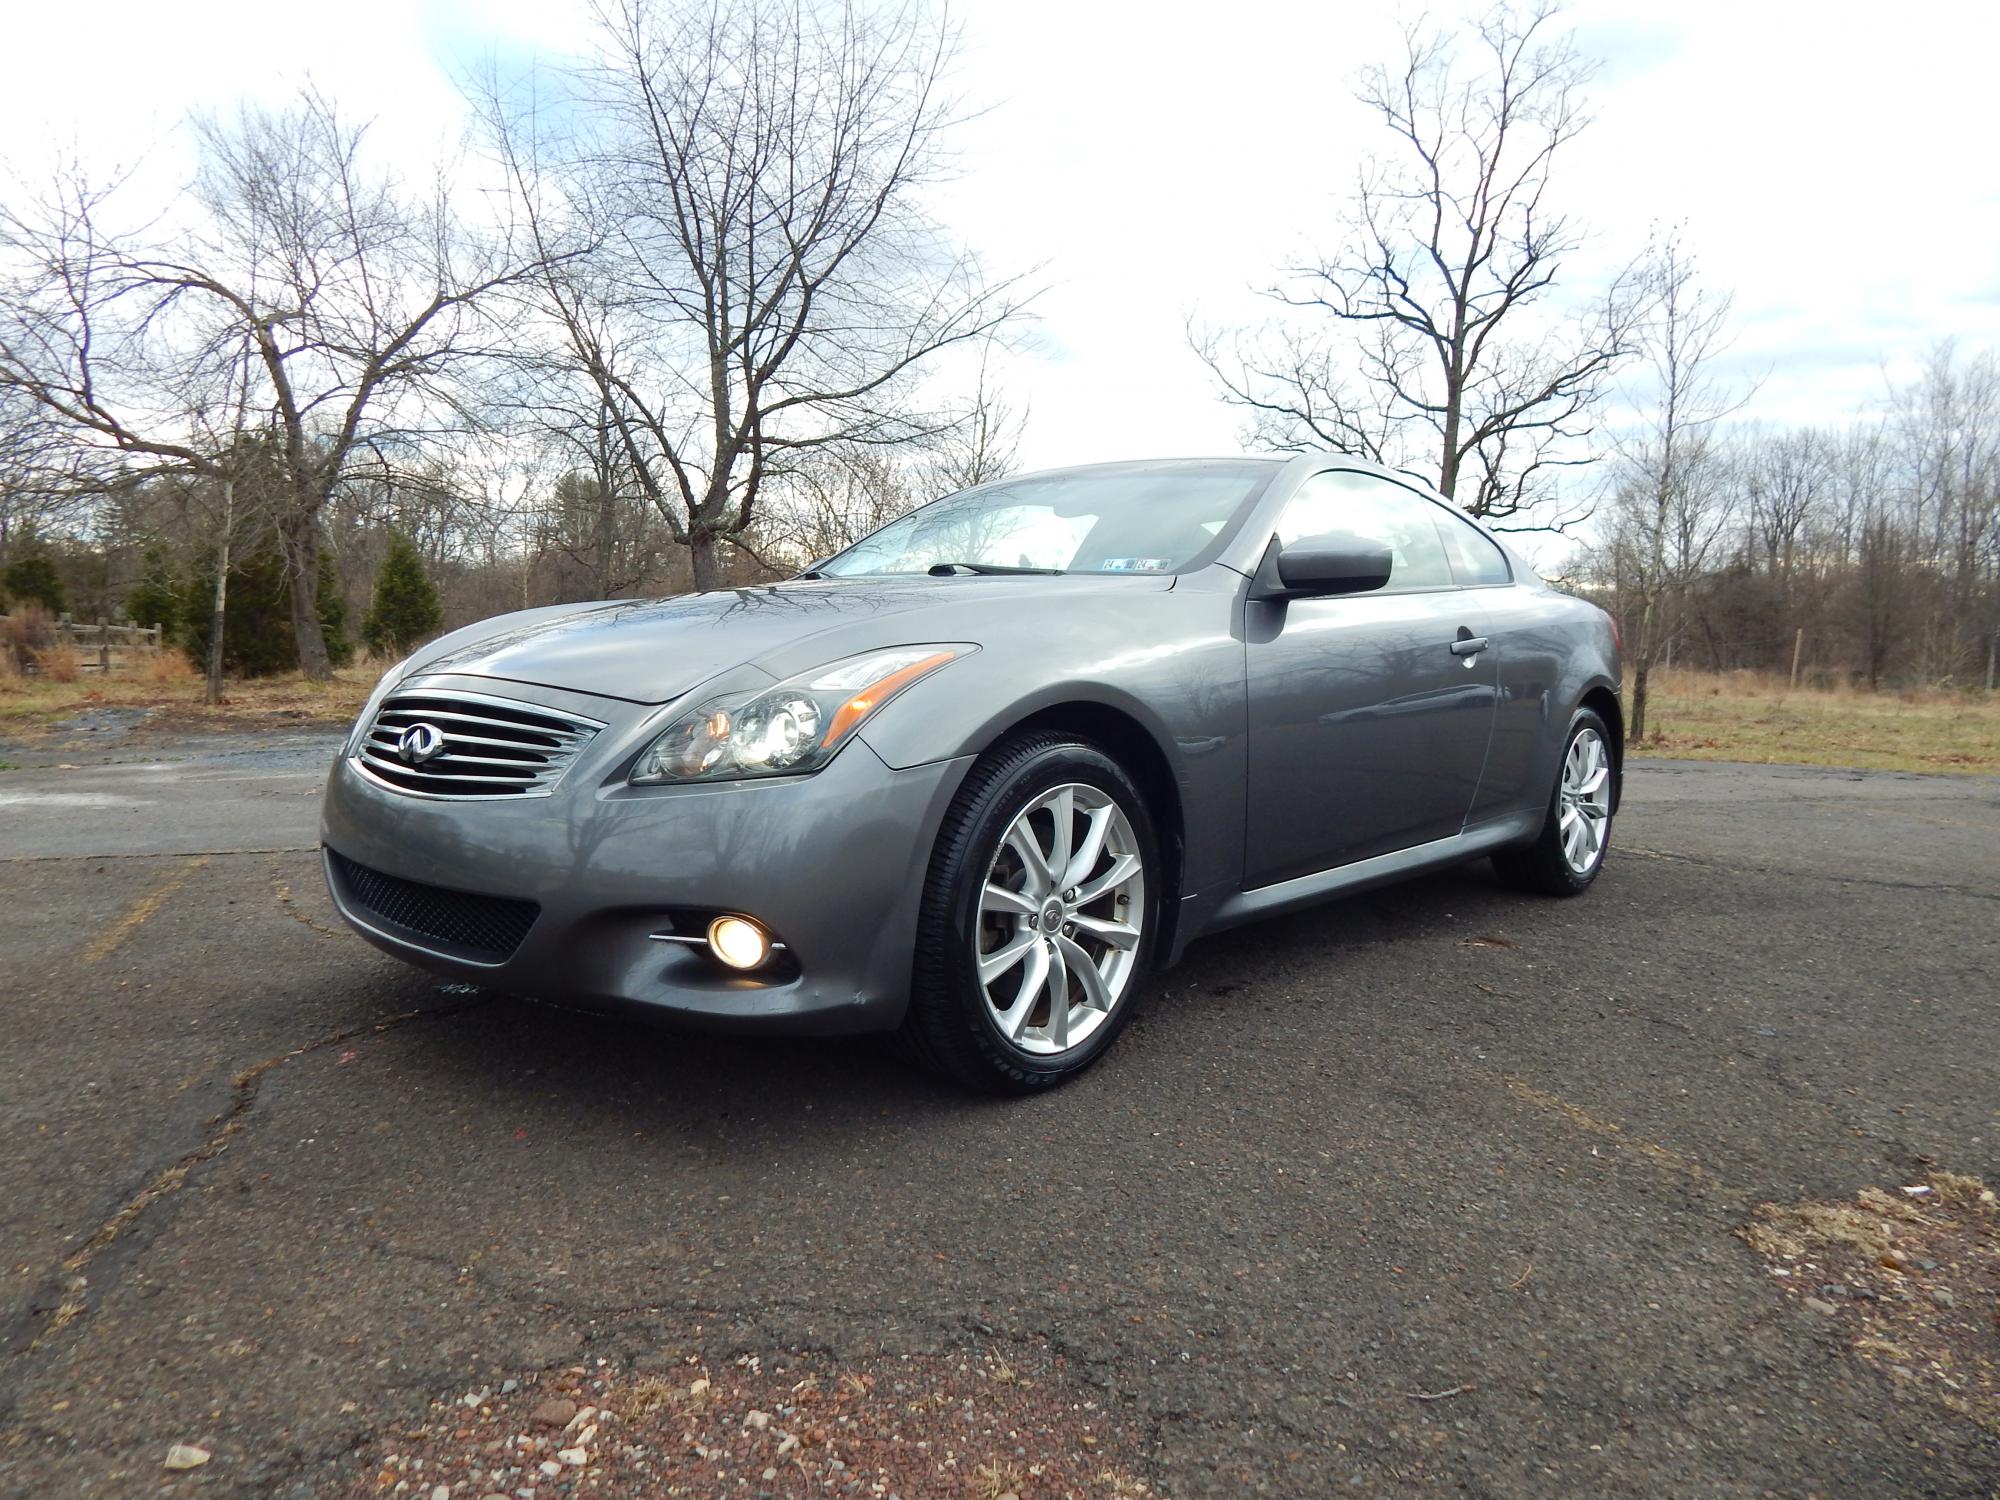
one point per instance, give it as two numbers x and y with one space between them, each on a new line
973 779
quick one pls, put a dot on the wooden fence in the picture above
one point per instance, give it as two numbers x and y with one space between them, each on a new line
104 644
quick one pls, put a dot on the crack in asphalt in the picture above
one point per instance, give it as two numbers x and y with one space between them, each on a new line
282 889
68 1286
65 859
303 1468
765 1323
771 1314
1707 863
759 1325
1104 1353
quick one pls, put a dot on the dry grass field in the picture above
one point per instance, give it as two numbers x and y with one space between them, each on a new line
168 686
1740 716
1753 717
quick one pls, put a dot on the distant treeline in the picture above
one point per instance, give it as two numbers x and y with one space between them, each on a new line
1880 541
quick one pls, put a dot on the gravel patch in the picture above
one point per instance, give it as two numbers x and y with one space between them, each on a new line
988 1424
1910 1274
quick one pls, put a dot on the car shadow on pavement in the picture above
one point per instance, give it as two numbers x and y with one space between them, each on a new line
640 1073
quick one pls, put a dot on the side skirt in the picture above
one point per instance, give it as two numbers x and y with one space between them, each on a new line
1366 874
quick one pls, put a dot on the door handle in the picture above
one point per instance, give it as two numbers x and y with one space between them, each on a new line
1468 645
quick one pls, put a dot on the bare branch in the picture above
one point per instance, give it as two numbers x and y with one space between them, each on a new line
1439 298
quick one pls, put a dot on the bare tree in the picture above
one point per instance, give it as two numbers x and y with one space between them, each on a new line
1866 553
606 538
230 454
1871 549
838 494
831 500
762 278
1948 422
1789 483
1440 302
983 444
352 303
1670 508
40 485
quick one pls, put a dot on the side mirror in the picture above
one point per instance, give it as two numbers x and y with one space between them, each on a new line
1337 562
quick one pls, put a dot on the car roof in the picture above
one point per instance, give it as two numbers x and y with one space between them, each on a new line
1228 460
1314 458
1191 461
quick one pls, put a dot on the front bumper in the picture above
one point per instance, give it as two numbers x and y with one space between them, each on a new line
833 864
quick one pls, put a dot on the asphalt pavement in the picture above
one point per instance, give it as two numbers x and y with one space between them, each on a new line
1433 1190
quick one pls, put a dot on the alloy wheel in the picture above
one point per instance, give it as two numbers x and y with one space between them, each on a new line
1060 918
1585 799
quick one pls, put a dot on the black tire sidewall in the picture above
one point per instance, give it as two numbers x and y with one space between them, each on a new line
986 821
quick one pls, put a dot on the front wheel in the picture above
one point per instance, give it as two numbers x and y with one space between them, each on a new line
1038 918
1569 851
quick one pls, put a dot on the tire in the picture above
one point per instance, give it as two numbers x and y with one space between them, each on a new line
1549 866
983 900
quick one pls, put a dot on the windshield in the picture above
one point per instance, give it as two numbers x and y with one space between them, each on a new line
1139 518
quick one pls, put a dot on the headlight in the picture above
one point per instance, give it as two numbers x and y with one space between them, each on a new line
789 729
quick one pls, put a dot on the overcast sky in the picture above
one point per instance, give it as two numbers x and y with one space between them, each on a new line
1832 164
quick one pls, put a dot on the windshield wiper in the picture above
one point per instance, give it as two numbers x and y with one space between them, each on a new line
948 569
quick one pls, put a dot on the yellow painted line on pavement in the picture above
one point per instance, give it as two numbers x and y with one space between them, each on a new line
77 859
1582 1119
142 911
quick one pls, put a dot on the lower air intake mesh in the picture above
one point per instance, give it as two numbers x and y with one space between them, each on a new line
490 927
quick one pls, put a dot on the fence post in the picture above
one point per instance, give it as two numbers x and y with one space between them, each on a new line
103 646
1798 645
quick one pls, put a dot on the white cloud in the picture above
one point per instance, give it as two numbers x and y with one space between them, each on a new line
1829 162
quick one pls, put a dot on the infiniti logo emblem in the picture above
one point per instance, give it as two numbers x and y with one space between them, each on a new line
419 743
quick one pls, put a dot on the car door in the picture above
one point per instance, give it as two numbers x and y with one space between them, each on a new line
1369 713
1531 645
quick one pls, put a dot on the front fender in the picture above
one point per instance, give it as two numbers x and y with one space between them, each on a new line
1170 662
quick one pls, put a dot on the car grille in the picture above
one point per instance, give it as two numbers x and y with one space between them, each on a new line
486 927
470 745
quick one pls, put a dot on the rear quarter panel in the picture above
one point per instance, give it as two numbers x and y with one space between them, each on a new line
1553 650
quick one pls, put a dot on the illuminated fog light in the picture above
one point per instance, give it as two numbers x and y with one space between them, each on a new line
738 942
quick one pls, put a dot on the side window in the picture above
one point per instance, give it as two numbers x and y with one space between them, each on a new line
1474 558
1380 511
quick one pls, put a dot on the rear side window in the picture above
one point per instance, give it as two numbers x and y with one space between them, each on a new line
1474 557
1379 511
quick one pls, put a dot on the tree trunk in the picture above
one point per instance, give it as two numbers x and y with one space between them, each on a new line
219 614
1642 664
1448 465
604 543
705 558
300 537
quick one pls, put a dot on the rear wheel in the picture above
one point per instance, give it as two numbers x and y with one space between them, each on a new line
1569 851
1038 923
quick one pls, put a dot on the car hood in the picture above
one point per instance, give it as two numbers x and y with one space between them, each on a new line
654 650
